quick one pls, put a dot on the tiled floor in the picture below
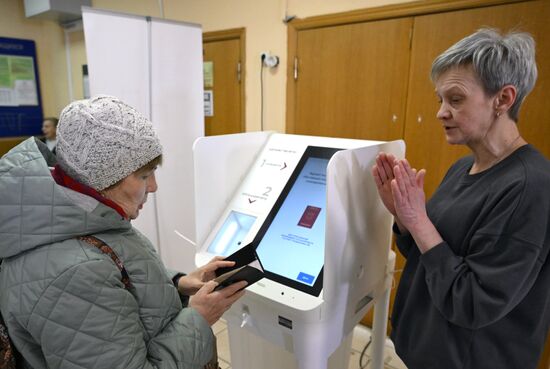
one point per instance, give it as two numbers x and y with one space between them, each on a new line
361 336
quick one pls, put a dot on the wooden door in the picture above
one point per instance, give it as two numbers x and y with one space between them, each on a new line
224 52
433 34
352 80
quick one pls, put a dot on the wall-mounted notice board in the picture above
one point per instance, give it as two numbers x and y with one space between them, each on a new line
20 102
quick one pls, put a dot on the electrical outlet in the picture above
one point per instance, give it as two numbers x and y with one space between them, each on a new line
268 60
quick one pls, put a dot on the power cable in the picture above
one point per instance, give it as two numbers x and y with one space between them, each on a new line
361 366
262 92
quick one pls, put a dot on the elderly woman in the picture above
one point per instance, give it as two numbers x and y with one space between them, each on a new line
80 287
475 289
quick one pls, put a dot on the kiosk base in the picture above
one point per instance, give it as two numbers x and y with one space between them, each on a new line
250 347
249 351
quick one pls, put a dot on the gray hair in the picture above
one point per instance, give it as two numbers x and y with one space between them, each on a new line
498 60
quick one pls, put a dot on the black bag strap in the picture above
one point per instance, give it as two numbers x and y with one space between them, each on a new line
106 249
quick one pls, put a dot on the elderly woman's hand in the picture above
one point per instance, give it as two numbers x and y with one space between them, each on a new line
408 193
192 282
382 172
410 205
212 304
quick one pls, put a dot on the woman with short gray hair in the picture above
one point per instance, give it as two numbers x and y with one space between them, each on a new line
475 289
497 61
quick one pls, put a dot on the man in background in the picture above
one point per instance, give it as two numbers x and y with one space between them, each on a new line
49 129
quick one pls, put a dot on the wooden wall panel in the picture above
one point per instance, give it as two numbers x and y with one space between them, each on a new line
352 80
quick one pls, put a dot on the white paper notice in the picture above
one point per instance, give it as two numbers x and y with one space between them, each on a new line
25 92
7 97
208 103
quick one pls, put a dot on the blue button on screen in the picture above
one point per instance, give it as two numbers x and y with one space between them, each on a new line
306 278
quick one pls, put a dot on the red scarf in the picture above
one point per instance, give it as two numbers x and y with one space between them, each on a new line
63 179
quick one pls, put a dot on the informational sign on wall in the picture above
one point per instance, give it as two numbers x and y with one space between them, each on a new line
208 72
208 103
17 81
20 103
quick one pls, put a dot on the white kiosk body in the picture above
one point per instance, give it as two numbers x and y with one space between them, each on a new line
238 179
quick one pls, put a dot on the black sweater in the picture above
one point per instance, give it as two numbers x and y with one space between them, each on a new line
481 298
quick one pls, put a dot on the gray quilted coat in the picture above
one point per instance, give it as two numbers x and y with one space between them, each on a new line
63 300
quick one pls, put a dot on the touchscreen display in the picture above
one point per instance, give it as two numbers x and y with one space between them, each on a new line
292 245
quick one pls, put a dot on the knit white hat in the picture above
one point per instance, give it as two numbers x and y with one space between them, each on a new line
103 140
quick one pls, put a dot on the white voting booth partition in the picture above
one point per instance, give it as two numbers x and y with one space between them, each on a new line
304 313
155 65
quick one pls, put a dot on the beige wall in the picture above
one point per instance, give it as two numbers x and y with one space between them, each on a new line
265 31
262 19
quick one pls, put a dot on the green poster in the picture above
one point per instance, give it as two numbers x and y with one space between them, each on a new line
17 81
5 75
208 69
22 68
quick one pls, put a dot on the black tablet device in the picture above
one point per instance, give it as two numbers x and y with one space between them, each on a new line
291 241
247 268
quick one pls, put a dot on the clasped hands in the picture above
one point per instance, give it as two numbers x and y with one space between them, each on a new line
401 189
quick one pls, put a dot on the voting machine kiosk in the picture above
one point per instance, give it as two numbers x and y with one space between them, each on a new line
324 242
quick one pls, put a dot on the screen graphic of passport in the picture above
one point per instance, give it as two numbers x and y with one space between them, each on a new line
290 245
310 215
